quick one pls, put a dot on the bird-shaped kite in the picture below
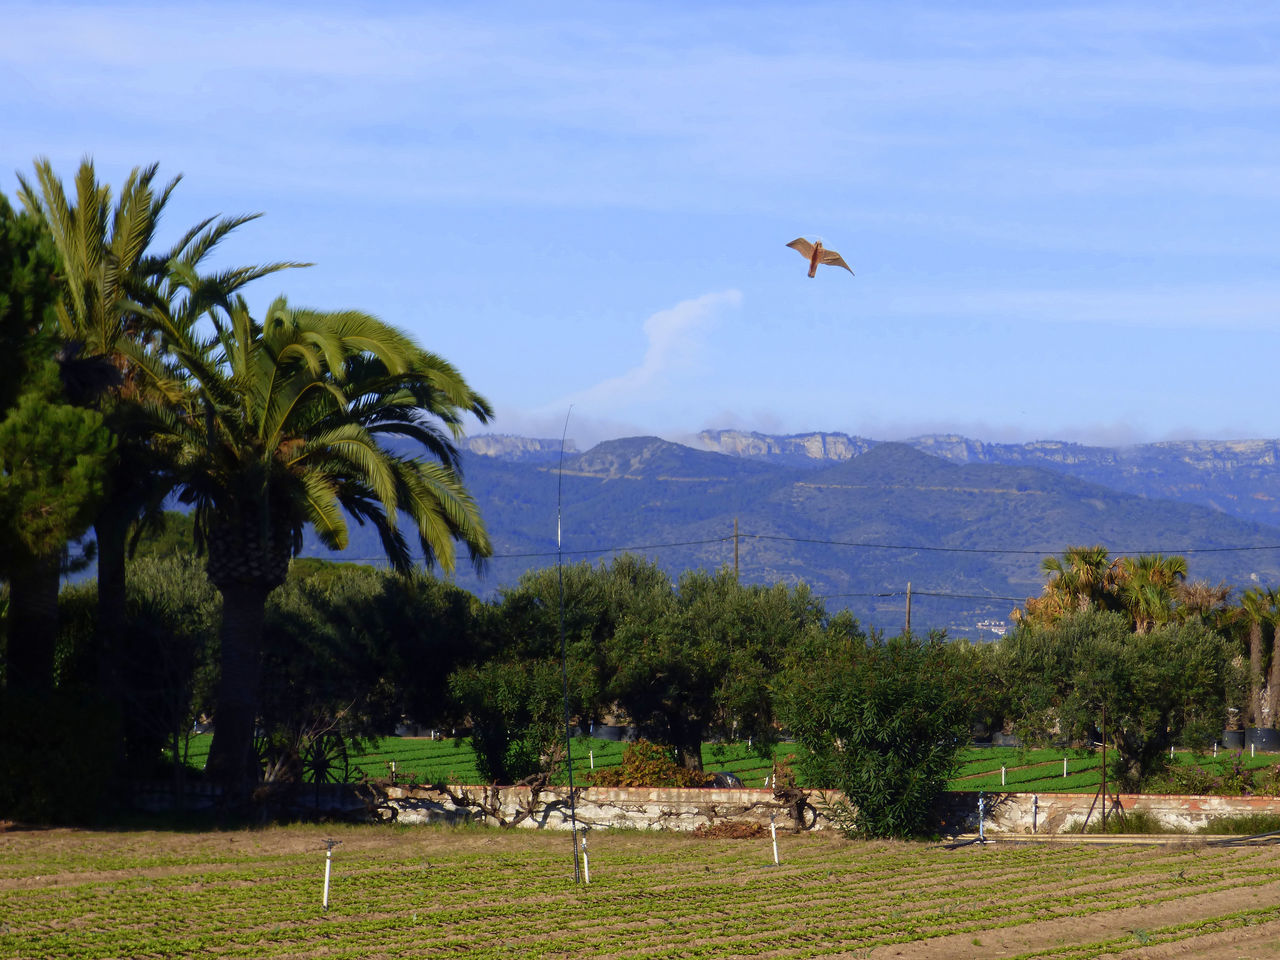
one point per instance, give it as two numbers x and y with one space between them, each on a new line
817 253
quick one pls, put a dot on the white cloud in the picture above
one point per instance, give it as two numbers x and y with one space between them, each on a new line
675 341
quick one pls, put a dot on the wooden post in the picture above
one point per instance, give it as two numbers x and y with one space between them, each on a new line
908 607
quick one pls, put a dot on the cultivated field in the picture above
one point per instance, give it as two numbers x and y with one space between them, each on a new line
402 892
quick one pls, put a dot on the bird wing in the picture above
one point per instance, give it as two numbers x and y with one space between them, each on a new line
833 258
803 245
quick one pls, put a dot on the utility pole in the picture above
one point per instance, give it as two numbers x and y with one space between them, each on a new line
735 549
908 607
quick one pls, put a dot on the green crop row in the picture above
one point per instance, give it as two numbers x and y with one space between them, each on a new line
495 894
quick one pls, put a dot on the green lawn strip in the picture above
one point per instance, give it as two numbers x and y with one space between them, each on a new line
975 760
422 760
1043 779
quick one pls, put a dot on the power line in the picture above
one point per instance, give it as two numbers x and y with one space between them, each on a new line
863 544
873 545
649 546
923 593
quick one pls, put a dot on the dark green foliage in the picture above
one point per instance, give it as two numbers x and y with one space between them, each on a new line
57 756
882 720
165 663
695 663
52 468
53 455
27 291
1167 686
517 719
170 533
512 689
348 650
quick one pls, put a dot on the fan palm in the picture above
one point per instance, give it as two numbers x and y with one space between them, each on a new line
282 434
1256 612
1148 588
1083 577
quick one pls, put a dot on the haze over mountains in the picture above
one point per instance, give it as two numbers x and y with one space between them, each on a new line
965 523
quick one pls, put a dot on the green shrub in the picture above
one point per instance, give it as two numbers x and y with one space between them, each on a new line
57 756
1244 824
884 721
1136 821
646 764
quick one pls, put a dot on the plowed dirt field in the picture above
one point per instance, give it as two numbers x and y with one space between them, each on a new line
425 892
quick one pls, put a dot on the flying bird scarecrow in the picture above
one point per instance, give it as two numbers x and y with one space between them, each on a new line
817 253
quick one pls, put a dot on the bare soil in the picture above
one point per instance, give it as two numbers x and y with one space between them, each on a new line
491 893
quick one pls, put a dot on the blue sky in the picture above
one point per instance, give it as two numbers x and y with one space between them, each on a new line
1062 217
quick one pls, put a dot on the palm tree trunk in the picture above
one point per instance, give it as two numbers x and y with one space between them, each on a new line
33 624
1273 682
111 530
1255 674
231 757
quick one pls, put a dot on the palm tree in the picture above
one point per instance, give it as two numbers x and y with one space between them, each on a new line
282 434
111 283
1201 600
1255 612
1082 578
1148 586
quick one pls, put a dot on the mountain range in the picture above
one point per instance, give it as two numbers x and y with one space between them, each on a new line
965 523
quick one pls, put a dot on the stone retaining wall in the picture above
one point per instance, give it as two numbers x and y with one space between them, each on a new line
672 809
1027 813
595 807
655 808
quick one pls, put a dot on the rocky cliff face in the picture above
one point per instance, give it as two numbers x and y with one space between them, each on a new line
1238 477
507 447
814 448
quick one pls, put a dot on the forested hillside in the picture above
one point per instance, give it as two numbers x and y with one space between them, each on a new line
968 537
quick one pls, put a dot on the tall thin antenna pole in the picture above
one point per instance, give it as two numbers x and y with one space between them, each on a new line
908 608
564 657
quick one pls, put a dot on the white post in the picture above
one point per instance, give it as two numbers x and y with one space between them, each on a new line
1251 747
773 832
592 755
586 861
1002 776
1064 766
1171 751
328 866
1215 748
